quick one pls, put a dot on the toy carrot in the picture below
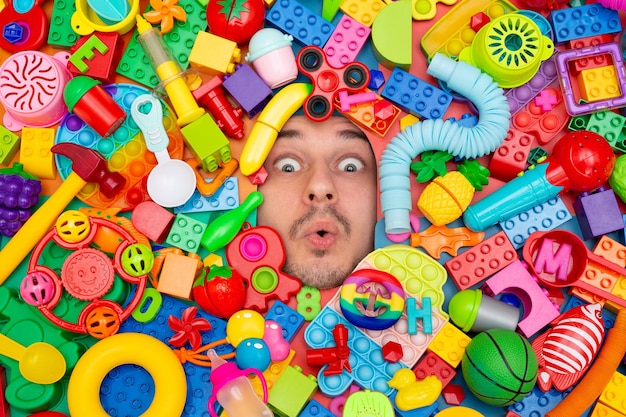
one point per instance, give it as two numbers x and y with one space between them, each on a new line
599 375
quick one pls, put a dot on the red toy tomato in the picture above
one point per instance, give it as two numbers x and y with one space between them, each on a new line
236 20
220 291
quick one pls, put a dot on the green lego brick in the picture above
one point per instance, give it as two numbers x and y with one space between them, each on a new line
291 392
9 145
61 33
607 124
207 141
578 122
186 233
135 64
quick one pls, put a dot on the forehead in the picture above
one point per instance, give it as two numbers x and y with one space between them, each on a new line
300 130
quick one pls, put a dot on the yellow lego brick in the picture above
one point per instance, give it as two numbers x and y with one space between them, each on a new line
597 84
363 11
408 120
213 54
213 259
35 153
614 394
619 290
601 410
449 344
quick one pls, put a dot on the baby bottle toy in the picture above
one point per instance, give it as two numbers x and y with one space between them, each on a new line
233 390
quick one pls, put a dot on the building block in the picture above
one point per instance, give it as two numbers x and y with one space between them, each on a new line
364 115
614 393
314 408
226 198
291 392
392 351
60 33
509 159
537 155
346 42
101 65
537 403
432 364
598 213
248 89
611 250
330 9
424 313
426 411
453 394
481 261
223 57
543 217
186 233
152 220
177 275
601 410
272 374
35 153
210 152
416 96
289 319
135 64
538 309
9 145
599 84
450 344
619 290
609 125
519 97
293 18
583 21
408 120
364 11
392 36
595 61
5 410
211 96
377 79
466 120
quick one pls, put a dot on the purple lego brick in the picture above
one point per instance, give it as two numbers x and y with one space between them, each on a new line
306 27
416 96
519 97
582 21
598 213
289 319
346 42
563 59
248 89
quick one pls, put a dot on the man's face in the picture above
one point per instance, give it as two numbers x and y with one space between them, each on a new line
320 196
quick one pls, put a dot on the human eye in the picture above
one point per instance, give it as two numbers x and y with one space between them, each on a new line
287 164
351 164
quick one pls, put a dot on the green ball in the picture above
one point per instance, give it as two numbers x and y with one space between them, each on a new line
499 367
617 180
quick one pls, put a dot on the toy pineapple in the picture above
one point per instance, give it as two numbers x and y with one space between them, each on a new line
450 193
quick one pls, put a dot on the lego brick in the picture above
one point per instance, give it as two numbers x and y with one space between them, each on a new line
226 198
290 320
177 275
9 145
538 309
601 410
610 125
598 213
365 115
35 153
449 344
186 233
592 62
509 159
97 56
346 42
598 84
364 11
426 411
537 403
537 155
272 374
293 18
432 364
152 220
315 409
247 89
519 97
583 21
466 120
543 217
614 394
135 65
416 96
223 57
5 410
210 153
291 392
619 290
60 33
481 261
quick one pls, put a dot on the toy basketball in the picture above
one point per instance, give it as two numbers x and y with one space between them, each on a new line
499 367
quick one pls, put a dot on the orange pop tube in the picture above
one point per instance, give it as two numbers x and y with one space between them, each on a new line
598 376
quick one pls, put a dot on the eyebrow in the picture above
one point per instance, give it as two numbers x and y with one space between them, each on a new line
343 133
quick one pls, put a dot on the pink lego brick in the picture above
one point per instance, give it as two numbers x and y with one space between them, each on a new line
346 42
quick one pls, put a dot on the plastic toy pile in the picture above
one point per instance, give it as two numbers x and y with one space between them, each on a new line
135 281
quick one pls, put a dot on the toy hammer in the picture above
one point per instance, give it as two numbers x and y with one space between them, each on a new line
87 166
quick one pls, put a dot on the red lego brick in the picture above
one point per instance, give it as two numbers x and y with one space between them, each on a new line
481 261
595 61
478 21
510 157
4 405
392 351
453 394
432 364
101 66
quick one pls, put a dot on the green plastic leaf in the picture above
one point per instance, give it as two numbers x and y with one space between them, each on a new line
432 164
476 174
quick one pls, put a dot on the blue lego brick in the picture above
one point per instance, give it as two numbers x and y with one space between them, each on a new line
543 217
538 403
199 387
583 21
225 198
289 319
306 27
315 409
466 120
416 96
369 368
608 316
425 411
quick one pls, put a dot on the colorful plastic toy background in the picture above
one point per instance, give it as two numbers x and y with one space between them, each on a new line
537 402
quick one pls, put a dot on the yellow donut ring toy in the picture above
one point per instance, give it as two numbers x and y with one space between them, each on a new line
170 384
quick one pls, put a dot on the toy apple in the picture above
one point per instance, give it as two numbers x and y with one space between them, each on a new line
219 291
236 20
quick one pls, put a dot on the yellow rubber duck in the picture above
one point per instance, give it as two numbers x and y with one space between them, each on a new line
413 393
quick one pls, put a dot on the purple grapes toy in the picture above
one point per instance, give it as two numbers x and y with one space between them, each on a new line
19 193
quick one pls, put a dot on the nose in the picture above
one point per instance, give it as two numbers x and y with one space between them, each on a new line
320 187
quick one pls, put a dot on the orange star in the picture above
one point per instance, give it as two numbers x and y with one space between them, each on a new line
165 12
